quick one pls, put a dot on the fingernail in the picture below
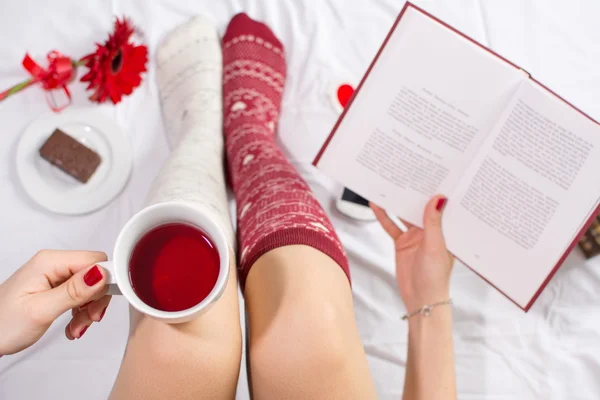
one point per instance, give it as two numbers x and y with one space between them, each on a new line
102 315
86 304
441 203
83 331
93 276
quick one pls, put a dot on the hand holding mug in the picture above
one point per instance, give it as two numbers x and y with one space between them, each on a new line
53 282
423 264
49 284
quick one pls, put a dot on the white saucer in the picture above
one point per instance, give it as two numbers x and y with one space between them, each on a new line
55 190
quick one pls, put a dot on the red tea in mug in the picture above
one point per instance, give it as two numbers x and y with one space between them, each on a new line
174 267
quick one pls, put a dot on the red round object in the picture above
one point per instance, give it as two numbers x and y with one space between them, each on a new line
344 94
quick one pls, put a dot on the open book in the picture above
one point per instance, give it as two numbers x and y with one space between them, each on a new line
439 113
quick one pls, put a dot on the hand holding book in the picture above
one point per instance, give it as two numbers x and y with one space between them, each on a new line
439 113
423 267
423 264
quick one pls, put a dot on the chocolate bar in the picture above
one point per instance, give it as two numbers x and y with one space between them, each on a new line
70 156
590 242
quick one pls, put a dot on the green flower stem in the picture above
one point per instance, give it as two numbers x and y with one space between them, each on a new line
15 89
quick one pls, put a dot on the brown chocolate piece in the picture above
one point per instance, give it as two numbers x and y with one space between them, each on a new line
71 156
590 242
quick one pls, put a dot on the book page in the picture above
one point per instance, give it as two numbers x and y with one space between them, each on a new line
528 193
425 108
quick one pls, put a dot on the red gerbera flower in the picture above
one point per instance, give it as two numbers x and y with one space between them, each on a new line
116 67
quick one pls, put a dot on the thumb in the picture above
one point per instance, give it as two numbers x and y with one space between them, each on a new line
432 219
84 286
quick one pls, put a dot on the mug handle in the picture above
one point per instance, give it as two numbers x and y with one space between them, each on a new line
113 288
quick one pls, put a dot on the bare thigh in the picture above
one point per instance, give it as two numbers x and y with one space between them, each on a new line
304 343
195 360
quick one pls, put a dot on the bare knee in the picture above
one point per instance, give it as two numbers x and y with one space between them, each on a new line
168 361
304 343
217 352
310 355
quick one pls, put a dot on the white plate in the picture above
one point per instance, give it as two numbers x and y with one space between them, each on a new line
55 190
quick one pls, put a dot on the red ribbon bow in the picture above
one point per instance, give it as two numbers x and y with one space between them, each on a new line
57 75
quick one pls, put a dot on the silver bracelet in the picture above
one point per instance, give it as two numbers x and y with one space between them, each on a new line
426 310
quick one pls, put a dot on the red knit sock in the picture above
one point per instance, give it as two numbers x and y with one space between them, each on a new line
275 207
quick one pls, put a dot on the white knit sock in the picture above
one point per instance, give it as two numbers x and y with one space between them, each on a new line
189 76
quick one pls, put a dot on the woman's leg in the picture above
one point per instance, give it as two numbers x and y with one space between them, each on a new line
195 360
304 343
303 338
199 359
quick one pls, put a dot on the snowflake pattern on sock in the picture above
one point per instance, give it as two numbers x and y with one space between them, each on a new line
275 206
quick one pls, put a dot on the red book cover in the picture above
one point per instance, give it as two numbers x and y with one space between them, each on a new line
365 77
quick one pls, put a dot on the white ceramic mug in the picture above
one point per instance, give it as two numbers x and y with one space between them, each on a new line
143 222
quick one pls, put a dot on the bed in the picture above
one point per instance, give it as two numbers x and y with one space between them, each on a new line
553 352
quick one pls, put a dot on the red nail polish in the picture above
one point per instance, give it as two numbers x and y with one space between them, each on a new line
93 276
441 203
83 331
102 315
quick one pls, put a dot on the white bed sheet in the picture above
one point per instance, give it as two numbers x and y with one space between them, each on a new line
501 353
